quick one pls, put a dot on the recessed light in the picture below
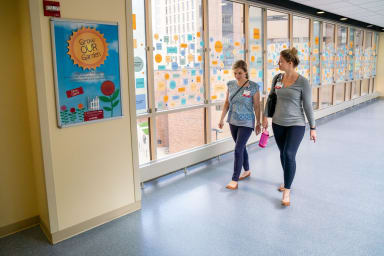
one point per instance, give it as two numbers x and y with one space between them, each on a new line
343 18
320 12
369 26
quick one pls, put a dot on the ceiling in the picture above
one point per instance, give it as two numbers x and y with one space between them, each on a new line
369 11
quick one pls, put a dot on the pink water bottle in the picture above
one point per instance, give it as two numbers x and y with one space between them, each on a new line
264 139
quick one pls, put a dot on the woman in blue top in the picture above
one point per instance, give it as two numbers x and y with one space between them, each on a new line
241 103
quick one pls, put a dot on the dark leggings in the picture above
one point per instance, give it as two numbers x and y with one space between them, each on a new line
288 139
240 135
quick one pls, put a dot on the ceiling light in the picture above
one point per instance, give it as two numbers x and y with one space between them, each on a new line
369 26
320 12
343 18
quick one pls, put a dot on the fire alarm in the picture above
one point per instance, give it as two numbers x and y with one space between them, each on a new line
51 8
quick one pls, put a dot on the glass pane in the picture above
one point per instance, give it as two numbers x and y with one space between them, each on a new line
143 140
373 85
301 43
179 131
339 93
218 134
358 54
374 53
355 89
341 54
348 89
351 54
316 53
315 102
326 96
277 40
327 60
140 56
178 53
226 43
256 45
367 55
364 87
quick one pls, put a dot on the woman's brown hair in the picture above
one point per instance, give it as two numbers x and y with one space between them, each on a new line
290 55
243 65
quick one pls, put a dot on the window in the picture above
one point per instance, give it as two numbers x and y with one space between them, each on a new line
226 43
328 55
140 56
358 54
374 53
179 131
255 39
341 54
143 140
351 54
367 54
301 43
178 65
277 40
316 53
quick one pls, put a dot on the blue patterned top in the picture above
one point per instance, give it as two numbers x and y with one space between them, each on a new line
241 111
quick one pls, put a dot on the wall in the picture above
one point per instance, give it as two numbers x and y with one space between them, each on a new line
380 66
89 169
17 182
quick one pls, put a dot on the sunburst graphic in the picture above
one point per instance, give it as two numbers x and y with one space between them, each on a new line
87 48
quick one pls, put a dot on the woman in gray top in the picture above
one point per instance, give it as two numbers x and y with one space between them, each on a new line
294 98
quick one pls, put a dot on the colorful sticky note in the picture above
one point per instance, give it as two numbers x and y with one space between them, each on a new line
134 21
256 33
141 101
140 83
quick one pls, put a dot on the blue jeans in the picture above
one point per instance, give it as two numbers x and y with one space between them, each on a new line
288 139
240 135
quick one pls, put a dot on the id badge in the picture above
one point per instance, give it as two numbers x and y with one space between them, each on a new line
247 93
278 85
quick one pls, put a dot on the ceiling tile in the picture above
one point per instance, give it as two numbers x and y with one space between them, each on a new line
369 11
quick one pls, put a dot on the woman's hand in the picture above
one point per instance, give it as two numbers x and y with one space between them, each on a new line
265 123
257 129
313 135
221 124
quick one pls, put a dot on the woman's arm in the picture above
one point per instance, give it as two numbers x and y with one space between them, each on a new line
307 105
256 107
225 110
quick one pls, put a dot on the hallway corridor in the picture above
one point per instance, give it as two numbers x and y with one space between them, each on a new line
336 204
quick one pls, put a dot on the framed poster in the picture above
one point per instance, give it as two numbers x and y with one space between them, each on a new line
87 71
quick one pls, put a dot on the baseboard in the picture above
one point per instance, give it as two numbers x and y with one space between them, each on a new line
92 223
46 232
19 226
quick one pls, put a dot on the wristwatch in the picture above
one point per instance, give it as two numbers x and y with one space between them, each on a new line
312 128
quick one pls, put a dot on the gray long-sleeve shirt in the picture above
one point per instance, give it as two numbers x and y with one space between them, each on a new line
292 102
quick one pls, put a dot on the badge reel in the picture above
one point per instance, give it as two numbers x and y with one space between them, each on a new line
247 93
279 84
